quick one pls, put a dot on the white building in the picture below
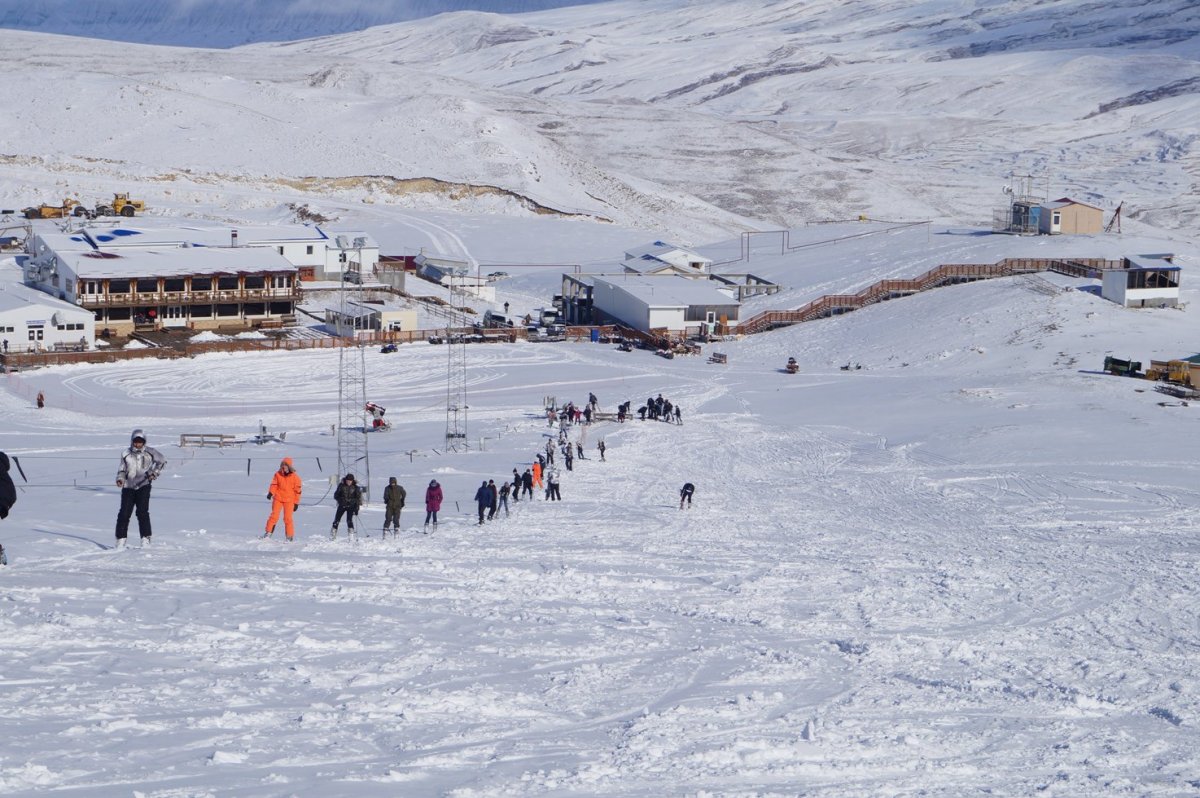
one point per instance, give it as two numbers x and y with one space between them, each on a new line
1145 282
370 317
317 254
676 304
31 320
189 286
660 257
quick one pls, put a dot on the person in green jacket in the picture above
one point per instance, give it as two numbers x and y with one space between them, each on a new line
393 503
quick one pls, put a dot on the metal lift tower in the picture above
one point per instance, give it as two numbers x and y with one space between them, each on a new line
456 369
352 374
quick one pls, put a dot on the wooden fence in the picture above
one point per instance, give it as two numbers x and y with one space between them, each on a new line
28 360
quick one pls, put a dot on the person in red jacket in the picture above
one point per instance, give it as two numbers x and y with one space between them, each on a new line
285 498
433 503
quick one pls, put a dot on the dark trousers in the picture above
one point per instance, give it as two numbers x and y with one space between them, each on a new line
349 512
130 499
483 508
504 504
552 492
391 518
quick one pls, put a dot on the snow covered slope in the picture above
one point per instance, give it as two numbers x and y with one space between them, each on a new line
228 23
967 568
694 119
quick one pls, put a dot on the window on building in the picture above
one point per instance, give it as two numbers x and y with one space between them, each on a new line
255 281
280 250
91 287
118 286
147 286
308 250
1056 219
201 283
174 285
281 281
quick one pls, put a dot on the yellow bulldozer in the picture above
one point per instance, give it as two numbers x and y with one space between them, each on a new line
121 205
43 211
1179 372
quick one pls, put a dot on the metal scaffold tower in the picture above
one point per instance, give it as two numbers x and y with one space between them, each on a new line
456 368
352 373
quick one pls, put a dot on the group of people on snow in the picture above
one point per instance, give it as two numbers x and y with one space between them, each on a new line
140 465
659 409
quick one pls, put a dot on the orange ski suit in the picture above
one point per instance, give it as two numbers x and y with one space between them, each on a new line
285 496
537 474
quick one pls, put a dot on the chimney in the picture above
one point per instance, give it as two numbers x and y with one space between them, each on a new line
233 238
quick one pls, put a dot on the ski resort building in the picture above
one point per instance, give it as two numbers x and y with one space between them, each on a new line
1145 282
675 304
370 317
163 285
661 257
1067 216
33 321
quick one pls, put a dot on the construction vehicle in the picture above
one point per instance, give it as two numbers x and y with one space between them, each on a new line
1178 372
44 211
121 205
1122 368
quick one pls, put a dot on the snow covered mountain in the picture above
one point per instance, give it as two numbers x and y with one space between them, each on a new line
228 23
697 118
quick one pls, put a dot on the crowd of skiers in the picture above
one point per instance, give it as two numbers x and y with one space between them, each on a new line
140 465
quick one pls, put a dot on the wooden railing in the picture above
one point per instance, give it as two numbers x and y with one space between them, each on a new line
189 297
946 274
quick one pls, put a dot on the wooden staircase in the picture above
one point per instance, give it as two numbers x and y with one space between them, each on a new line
946 274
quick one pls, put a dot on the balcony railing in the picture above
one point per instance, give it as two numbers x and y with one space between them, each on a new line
140 299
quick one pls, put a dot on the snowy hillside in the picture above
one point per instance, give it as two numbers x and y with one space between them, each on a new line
732 117
228 23
966 568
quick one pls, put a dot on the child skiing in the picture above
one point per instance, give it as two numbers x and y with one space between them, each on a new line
433 503
685 494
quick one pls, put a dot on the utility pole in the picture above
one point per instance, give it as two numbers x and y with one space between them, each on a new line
352 375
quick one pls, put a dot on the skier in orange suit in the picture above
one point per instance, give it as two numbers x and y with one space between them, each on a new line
285 497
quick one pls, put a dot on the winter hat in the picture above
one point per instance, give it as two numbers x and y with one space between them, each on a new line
392 480
287 461
137 435
349 477
433 483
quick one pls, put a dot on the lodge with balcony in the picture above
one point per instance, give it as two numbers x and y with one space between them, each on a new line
200 288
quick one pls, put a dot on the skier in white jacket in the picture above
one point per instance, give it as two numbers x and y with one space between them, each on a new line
140 466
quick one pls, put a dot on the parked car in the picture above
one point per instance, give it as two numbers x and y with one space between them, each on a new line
494 319
497 275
